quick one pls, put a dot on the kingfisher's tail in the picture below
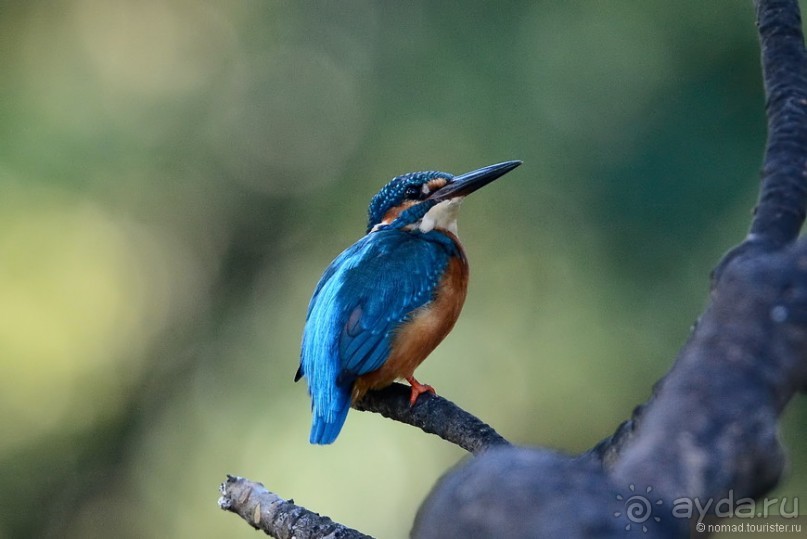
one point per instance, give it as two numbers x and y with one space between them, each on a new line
327 424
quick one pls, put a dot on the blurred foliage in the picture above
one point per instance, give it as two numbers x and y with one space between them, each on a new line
175 175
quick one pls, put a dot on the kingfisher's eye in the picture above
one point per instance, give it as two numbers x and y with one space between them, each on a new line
414 192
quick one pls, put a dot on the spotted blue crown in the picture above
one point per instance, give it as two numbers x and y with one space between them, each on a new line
399 190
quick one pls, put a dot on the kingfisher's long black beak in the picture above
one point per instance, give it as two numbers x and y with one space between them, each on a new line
467 183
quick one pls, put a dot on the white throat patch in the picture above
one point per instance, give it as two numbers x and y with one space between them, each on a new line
442 215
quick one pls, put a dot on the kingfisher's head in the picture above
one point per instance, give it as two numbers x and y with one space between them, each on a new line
428 200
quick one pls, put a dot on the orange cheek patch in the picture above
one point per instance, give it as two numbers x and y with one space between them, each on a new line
393 213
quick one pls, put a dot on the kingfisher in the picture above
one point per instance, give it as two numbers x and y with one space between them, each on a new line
389 299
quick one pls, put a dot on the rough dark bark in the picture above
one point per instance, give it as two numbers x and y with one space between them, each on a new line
783 195
710 429
435 415
780 210
709 432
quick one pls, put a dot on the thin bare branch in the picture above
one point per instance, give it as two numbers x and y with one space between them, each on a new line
435 415
279 518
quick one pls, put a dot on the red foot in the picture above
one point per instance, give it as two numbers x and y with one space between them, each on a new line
418 389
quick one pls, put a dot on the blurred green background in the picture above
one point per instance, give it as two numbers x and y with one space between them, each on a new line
175 175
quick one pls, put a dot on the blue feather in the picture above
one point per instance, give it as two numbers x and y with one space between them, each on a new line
362 298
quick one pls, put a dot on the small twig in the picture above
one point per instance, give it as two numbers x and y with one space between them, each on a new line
279 518
435 415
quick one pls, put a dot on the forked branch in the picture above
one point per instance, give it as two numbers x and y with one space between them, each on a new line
710 429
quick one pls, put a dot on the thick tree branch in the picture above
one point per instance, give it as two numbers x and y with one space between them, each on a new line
783 194
782 202
710 431
780 211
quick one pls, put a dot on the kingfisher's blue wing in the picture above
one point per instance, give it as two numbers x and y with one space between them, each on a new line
364 295
381 292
